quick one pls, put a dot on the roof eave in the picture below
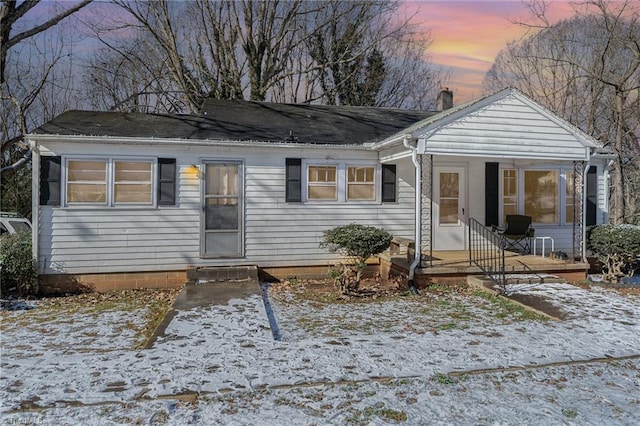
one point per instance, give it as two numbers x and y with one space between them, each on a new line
121 140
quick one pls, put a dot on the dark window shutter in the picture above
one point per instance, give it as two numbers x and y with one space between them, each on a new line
592 195
166 181
491 194
389 183
50 181
293 172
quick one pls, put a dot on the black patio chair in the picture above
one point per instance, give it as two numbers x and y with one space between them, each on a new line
517 234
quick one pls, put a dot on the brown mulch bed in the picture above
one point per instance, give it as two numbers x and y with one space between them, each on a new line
373 287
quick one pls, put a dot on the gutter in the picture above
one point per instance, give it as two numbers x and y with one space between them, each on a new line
121 140
418 214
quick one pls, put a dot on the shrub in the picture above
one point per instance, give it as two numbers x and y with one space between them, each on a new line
617 247
358 242
18 270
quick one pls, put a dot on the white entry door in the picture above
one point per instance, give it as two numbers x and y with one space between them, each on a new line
222 218
449 208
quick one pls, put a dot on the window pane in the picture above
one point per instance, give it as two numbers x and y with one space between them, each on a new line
509 193
322 183
86 193
221 213
569 185
132 182
541 195
361 192
86 181
87 171
449 185
319 192
449 197
448 211
508 210
322 174
128 171
222 179
127 193
361 183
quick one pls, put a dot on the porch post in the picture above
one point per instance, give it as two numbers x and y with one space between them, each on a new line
579 209
427 205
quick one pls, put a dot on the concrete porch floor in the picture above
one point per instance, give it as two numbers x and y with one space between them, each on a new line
450 266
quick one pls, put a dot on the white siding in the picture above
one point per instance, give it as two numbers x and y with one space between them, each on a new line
507 128
603 194
101 240
476 190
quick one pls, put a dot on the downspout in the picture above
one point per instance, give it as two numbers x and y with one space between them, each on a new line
418 215
35 201
584 209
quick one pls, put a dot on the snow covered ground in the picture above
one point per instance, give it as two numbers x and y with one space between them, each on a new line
426 360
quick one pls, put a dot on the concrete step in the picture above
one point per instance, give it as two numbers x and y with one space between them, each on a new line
533 278
484 282
207 274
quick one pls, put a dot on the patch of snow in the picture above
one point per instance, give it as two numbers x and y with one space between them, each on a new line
509 372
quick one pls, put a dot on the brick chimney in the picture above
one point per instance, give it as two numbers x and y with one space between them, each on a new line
444 100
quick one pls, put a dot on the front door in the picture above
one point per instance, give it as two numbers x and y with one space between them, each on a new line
449 208
222 219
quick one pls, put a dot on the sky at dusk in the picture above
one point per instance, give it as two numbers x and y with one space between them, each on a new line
467 35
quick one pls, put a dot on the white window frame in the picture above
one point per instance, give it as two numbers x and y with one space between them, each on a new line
308 183
341 180
110 199
376 178
113 183
562 196
105 183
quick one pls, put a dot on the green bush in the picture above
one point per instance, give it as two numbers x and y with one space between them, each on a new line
617 247
358 242
18 270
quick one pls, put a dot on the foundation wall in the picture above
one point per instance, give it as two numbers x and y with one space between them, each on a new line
68 283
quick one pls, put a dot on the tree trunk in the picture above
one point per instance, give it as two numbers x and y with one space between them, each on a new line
617 180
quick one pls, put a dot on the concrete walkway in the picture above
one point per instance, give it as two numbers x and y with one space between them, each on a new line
193 296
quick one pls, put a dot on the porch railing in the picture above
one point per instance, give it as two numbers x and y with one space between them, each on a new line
486 251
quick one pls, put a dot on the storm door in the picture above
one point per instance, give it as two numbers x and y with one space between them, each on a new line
449 208
222 216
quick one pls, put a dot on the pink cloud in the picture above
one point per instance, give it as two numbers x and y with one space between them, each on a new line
467 35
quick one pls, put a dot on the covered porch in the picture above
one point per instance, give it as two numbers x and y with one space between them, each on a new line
481 162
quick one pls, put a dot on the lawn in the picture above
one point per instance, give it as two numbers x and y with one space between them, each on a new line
444 357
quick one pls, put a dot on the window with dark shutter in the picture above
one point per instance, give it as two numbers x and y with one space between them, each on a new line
166 181
491 194
293 177
389 183
50 181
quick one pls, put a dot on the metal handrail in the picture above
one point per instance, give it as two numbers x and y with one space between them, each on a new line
486 251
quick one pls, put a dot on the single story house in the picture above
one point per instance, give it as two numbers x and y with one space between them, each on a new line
138 199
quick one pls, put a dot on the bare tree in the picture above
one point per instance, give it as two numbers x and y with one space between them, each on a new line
11 12
588 70
25 76
366 54
329 51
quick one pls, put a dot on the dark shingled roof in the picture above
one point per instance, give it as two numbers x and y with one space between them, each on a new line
245 121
